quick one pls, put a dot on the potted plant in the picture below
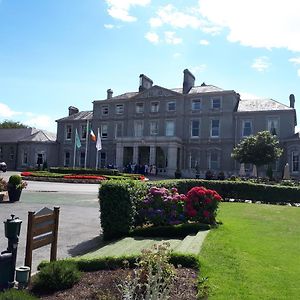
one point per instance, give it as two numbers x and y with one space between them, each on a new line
14 187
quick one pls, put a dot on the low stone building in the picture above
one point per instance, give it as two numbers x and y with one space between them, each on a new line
23 148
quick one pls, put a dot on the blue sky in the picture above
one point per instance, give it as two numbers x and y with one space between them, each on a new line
57 53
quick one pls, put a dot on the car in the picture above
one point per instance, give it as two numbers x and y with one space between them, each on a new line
3 166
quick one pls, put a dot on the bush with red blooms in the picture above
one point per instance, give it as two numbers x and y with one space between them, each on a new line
26 174
201 205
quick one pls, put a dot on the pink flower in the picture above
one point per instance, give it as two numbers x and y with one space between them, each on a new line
206 214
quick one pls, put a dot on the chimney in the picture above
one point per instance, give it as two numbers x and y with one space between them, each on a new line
292 101
73 110
188 81
145 83
109 93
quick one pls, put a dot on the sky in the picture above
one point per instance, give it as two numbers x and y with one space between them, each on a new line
58 53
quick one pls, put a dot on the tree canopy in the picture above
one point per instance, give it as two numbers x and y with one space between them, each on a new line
12 124
260 149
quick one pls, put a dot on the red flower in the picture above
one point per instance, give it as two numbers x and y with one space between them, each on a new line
206 214
26 174
207 200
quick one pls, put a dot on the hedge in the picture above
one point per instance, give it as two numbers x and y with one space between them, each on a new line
118 198
83 171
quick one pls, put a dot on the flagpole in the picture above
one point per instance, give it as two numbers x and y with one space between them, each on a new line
86 142
98 148
97 159
74 154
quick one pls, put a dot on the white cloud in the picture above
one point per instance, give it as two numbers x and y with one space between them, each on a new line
152 37
261 63
198 69
6 111
176 55
296 62
204 42
256 23
41 122
119 9
109 26
170 38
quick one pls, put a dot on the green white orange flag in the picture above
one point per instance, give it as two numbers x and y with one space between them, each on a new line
93 136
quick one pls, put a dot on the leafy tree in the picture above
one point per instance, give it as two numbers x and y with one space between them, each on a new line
260 149
12 124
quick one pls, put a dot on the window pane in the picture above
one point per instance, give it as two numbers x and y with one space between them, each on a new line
139 108
170 128
171 106
295 158
216 103
104 131
119 108
195 128
138 128
273 125
154 106
196 105
104 110
214 161
247 128
153 128
215 128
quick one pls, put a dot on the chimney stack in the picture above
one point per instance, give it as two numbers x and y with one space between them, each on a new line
145 83
188 81
109 93
73 110
292 101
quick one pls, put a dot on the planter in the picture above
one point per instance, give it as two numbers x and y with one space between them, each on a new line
14 194
2 195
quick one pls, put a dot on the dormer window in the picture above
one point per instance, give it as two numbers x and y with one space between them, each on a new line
154 107
139 108
216 103
171 106
119 109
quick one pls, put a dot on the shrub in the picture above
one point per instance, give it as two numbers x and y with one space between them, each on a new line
117 204
153 277
83 171
13 294
162 207
15 181
202 204
57 275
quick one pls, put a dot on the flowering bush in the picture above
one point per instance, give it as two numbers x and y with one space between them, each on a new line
162 207
26 174
201 205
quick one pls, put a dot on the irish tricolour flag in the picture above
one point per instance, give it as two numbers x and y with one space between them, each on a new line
93 136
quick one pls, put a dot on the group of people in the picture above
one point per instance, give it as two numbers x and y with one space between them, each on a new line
140 169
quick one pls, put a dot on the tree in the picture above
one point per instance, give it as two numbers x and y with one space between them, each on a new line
12 124
260 149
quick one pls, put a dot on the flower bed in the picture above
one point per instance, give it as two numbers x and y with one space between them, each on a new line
95 177
162 206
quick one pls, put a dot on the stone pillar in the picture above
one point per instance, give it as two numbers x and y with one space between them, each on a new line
152 155
119 156
135 155
172 159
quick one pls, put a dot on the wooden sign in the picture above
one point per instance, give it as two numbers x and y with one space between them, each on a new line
42 230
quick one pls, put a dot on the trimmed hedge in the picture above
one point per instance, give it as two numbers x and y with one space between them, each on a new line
118 198
83 171
117 205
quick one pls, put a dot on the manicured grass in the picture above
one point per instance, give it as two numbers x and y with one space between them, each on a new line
255 254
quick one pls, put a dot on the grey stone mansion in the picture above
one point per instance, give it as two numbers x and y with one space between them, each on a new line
173 129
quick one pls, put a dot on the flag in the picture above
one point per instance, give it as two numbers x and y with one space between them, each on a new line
93 136
77 140
99 143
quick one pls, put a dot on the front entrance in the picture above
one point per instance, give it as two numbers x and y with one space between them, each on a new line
144 154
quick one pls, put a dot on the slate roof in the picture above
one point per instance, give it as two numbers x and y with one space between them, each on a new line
13 135
200 89
82 115
261 105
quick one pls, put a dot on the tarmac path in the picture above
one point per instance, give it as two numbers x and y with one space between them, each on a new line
79 223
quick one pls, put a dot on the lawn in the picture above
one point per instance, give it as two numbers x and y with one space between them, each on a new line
254 254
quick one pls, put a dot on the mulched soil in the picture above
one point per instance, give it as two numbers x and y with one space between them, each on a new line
102 285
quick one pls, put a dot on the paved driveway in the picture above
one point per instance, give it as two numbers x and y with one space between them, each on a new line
79 226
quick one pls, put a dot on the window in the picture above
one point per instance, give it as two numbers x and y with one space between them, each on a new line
25 158
215 128
119 109
295 161
82 159
103 159
139 108
11 153
138 128
170 128
83 131
118 130
216 103
214 161
68 132
196 104
67 159
154 107
40 159
153 127
104 110
195 128
104 131
171 106
247 128
273 125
